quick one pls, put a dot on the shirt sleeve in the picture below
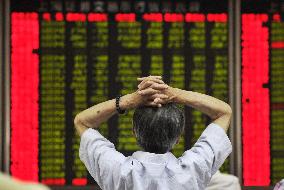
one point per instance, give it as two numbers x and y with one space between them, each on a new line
99 156
208 153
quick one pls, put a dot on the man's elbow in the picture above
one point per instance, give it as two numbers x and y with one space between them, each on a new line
225 111
78 124
228 110
228 113
77 121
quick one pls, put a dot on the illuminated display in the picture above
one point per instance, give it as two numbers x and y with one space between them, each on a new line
255 100
262 92
52 101
277 99
78 86
24 96
154 40
156 65
87 58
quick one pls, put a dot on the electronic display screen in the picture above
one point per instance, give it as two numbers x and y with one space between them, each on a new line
67 56
262 92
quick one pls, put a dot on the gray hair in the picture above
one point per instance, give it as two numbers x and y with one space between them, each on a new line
157 129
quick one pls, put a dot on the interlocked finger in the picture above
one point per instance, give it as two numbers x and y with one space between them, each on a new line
145 83
151 103
161 96
148 91
154 77
158 101
157 86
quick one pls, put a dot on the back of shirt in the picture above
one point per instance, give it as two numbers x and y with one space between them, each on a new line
143 170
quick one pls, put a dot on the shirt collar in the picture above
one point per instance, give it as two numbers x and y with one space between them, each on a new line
152 157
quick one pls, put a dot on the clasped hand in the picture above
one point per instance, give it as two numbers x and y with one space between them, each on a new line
154 92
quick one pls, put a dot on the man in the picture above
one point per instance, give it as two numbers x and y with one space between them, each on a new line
157 125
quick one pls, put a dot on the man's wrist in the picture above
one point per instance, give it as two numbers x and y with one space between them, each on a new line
129 101
184 97
174 94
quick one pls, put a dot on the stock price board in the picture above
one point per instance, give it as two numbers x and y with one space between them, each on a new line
69 56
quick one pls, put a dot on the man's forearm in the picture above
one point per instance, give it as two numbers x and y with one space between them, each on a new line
97 114
94 116
219 111
209 105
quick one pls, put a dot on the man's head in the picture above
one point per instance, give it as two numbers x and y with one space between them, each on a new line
158 129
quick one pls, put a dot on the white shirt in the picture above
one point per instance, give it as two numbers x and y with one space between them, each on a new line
143 170
279 185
